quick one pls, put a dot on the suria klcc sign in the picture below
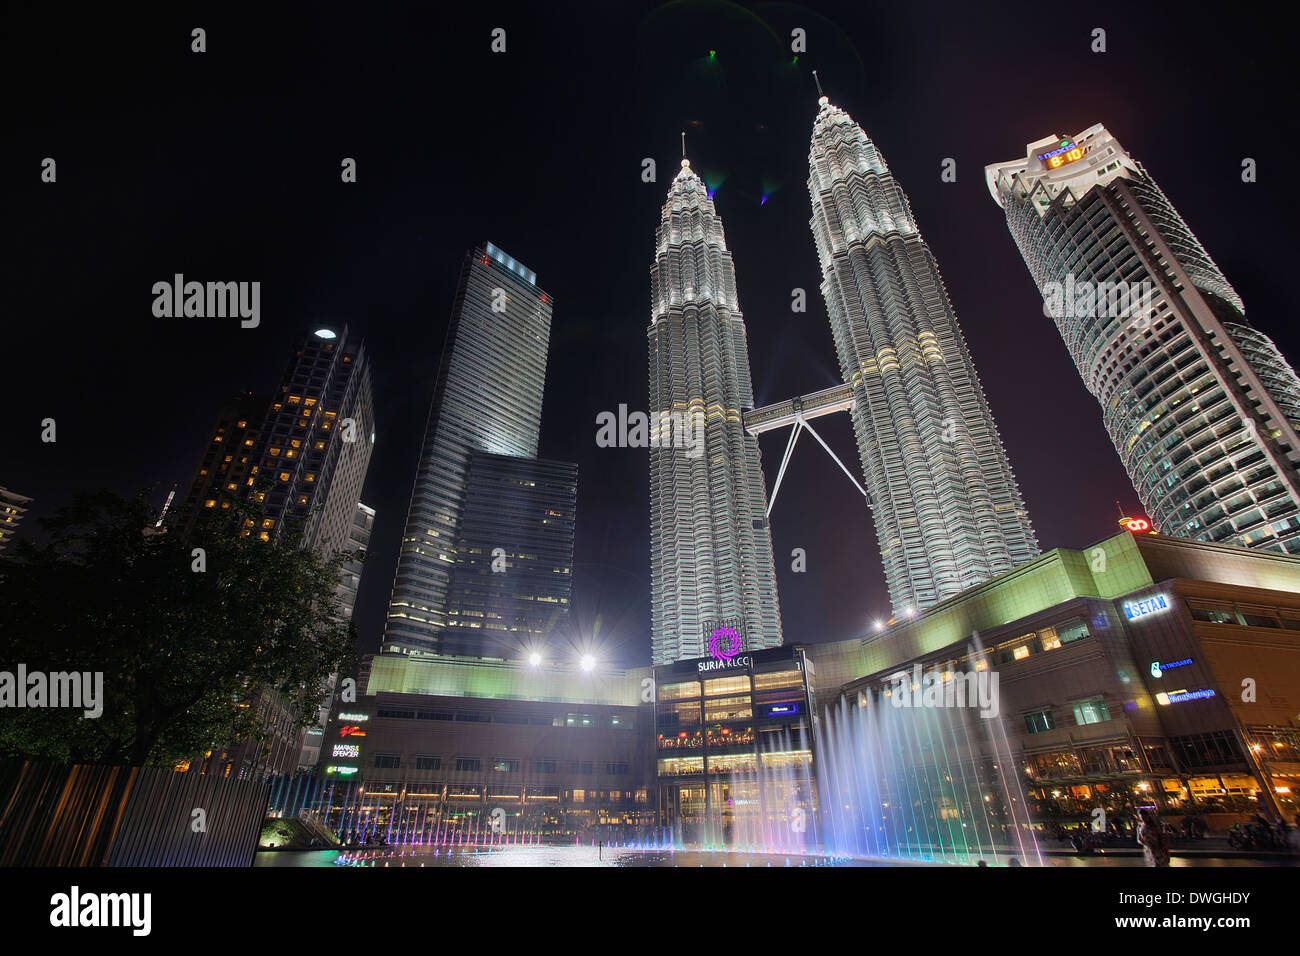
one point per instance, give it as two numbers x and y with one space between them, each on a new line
724 652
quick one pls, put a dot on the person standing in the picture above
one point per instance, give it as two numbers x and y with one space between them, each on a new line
1155 845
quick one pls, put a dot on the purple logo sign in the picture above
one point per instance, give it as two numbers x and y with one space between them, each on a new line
724 644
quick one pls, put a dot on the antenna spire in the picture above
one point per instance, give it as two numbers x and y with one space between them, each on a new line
683 144
818 81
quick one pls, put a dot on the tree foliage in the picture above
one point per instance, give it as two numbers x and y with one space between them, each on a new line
181 650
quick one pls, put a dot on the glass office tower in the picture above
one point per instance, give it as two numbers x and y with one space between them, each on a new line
710 548
947 509
1201 406
488 398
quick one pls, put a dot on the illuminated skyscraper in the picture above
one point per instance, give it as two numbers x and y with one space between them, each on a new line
947 509
710 548
1202 407
488 398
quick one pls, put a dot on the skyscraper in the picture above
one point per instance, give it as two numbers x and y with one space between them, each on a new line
513 581
710 547
1201 406
488 397
229 460
12 508
946 506
317 440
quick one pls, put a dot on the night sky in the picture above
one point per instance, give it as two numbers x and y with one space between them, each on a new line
225 166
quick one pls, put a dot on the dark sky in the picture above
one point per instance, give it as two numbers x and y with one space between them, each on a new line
225 166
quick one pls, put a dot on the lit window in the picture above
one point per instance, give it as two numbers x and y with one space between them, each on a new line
310 476
320 446
260 497
275 451
217 438
241 424
268 522
248 441
284 476
295 442
294 399
265 536
233 486
210 503
1021 652
309 402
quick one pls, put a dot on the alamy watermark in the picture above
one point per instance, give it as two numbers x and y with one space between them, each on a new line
638 430
79 690
1088 300
977 689
210 300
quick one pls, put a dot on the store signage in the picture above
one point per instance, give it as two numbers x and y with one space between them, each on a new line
1136 525
343 771
736 663
346 750
1158 669
1179 696
780 710
1152 605
351 730
354 718
1067 152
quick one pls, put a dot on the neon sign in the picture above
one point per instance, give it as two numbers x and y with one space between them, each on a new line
354 718
1136 525
351 730
346 750
1152 605
779 710
1178 696
722 665
343 771
1158 669
1067 152
720 652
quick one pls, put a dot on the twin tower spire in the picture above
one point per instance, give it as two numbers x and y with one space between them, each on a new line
947 510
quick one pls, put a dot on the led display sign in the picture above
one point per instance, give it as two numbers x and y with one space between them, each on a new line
343 771
780 710
1179 696
1066 152
1152 605
1158 669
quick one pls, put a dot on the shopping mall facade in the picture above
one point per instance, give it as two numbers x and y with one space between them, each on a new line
1142 670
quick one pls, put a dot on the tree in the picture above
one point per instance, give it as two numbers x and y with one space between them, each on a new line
181 650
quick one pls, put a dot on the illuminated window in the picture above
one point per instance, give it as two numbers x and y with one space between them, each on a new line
290 454
1021 652
310 476
241 424
248 441
229 458
268 522
309 402
294 399
233 486
284 476
260 497
217 438
302 499
210 503
320 446
265 536
275 451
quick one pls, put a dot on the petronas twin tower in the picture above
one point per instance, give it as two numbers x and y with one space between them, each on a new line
947 510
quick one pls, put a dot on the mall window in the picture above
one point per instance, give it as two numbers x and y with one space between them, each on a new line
1040 721
618 722
678 691
728 708
1205 750
468 764
471 717
428 763
1211 612
579 720
1093 710
727 685
387 761
544 766
617 769
778 679
580 766
505 766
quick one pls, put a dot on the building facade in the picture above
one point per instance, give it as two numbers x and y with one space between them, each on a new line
710 546
512 586
12 508
487 398
1201 407
947 509
441 750
226 467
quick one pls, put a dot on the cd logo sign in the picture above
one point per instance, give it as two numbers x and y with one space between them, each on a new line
724 644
